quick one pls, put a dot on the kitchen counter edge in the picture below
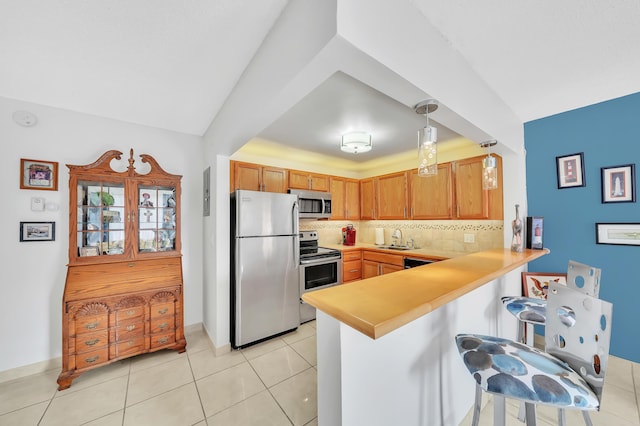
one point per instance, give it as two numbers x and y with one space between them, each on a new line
379 305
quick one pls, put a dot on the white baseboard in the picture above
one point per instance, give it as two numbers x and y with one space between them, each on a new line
28 370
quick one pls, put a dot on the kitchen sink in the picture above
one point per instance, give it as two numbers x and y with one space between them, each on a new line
396 247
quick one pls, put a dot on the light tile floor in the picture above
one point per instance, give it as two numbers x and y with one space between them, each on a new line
272 383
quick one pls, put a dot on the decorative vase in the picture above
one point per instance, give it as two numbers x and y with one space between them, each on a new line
516 226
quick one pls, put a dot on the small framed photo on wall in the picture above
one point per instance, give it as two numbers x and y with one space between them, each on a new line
619 184
38 174
37 231
570 169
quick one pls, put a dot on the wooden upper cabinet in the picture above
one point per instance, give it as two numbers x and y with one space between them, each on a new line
367 199
345 198
391 196
473 202
256 177
352 199
338 209
432 197
310 181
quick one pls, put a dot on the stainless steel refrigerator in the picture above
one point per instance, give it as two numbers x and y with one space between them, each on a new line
265 257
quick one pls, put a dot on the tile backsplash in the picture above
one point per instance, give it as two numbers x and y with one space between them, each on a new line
448 235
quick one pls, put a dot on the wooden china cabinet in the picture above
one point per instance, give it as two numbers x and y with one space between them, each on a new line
123 294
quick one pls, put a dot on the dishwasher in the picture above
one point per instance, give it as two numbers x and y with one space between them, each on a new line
411 262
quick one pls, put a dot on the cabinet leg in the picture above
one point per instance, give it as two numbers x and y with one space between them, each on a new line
65 379
181 345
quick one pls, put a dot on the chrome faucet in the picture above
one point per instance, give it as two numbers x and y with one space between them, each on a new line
397 234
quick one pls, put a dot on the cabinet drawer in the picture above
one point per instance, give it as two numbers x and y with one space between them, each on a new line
162 325
128 330
351 270
392 259
91 341
89 359
87 324
162 339
161 309
351 255
129 346
129 313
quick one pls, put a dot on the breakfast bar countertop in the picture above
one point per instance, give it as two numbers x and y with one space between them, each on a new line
379 305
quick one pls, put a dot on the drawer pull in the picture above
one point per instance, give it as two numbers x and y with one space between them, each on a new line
354 270
130 343
91 325
131 327
131 312
91 342
92 359
163 326
163 311
165 339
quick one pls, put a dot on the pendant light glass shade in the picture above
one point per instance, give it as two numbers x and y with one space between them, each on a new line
427 141
427 152
489 167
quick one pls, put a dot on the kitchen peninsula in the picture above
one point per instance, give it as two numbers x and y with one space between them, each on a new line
386 351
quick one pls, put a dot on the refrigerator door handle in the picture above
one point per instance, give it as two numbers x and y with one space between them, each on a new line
296 231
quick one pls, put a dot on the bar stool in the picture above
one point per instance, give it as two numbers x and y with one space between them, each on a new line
529 310
569 374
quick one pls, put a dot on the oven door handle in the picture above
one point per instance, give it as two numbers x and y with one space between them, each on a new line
320 261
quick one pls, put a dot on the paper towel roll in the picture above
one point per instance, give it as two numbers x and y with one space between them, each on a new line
379 236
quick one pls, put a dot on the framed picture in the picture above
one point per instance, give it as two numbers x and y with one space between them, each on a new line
37 174
570 169
619 184
535 228
625 234
536 284
37 231
89 251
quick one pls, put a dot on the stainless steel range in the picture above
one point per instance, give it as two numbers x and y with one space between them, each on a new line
320 268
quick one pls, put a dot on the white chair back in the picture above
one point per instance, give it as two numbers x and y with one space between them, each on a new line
583 278
578 331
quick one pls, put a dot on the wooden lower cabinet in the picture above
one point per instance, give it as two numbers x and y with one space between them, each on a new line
117 310
351 265
375 263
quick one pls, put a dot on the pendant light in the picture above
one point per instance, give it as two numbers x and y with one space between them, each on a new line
489 167
427 139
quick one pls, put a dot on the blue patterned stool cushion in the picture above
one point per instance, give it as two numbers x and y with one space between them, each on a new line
515 370
527 309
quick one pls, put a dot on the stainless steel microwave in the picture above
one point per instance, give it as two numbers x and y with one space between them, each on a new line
313 204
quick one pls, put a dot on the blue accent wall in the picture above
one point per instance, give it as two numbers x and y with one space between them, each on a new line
608 134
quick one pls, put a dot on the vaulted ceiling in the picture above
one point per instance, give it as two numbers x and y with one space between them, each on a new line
172 64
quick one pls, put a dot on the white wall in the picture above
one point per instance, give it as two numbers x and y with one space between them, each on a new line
34 272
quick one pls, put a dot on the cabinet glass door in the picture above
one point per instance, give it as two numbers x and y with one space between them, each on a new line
101 218
156 219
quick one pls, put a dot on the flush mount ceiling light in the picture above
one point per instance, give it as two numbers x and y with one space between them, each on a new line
356 142
489 167
427 138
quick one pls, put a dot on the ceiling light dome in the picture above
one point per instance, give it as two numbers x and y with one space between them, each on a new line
356 142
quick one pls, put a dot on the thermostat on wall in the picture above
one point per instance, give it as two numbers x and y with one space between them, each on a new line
37 204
